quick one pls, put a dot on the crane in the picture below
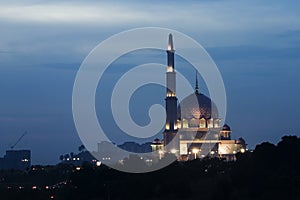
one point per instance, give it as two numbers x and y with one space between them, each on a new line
20 138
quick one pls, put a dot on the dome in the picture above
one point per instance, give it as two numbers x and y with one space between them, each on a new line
226 128
156 141
197 106
241 141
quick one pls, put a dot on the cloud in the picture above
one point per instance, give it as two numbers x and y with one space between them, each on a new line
96 13
214 15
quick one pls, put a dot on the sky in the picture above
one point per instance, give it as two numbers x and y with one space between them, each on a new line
255 44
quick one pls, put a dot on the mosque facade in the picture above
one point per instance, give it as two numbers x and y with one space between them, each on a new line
193 128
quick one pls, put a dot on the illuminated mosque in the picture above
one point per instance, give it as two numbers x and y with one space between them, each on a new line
193 128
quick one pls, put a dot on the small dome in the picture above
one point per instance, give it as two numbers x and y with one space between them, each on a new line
197 106
241 141
156 141
226 128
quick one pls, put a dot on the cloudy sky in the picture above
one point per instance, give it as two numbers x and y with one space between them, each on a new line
255 44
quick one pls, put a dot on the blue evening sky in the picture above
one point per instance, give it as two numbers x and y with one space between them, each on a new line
255 44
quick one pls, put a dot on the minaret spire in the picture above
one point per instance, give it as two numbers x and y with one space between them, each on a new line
196 87
170 44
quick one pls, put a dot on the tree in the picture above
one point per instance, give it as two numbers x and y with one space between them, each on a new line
81 148
72 154
66 156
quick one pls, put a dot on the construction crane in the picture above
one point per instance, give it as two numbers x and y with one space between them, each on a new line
20 138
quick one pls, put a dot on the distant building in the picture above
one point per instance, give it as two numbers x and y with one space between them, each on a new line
16 159
135 147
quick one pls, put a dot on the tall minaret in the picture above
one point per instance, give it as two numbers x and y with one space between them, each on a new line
196 87
171 101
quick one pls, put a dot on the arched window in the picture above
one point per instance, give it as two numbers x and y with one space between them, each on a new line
217 123
194 123
210 123
202 123
185 123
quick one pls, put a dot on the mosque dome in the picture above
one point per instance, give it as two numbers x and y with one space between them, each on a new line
197 106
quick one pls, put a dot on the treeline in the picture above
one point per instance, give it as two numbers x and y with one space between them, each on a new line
269 172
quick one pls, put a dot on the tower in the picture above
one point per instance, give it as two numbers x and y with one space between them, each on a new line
171 142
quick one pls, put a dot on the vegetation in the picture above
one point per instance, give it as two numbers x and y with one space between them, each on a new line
269 172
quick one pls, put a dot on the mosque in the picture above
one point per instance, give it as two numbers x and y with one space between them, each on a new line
193 129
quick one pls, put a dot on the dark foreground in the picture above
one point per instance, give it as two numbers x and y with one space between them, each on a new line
269 172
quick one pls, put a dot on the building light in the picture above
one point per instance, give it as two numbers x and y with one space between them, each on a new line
243 150
160 152
167 126
78 168
178 124
195 150
173 151
212 152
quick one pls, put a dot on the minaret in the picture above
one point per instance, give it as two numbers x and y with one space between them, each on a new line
196 87
171 101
